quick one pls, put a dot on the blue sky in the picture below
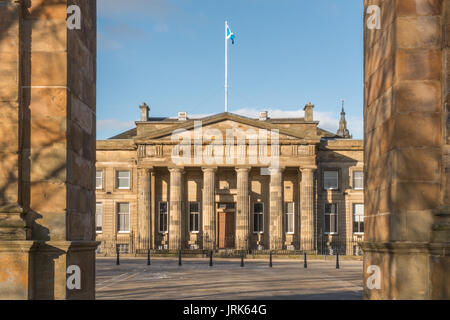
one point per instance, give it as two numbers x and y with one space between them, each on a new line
170 54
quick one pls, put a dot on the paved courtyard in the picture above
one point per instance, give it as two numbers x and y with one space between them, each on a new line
196 280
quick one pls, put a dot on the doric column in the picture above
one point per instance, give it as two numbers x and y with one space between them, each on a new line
276 209
143 209
209 209
307 209
242 210
153 225
176 177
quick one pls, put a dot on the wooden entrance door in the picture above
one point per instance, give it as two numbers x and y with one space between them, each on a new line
226 228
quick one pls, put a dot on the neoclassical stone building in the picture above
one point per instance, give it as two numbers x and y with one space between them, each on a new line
229 182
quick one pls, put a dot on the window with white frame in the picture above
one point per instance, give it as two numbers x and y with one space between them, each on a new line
123 217
99 179
194 213
358 180
331 180
163 216
258 217
98 217
358 218
331 218
123 179
289 217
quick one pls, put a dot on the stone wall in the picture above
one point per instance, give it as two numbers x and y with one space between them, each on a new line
404 125
51 121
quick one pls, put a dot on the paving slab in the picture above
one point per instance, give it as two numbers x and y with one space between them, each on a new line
227 280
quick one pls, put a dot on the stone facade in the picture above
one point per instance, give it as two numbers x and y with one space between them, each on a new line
406 147
47 102
238 204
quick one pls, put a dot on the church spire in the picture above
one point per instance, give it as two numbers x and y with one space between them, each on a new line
343 131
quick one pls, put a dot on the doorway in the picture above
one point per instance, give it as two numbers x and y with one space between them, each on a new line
226 224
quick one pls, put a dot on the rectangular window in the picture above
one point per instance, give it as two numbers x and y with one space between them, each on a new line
99 180
330 180
98 217
289 217
194 213
123 179
258 217
123 217
358 218
358 180
163 216
331 218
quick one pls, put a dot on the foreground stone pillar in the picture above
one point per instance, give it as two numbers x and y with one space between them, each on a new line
12 227
176 196
242 210
276 209
144 235
406 181
209 209
53 185
307 210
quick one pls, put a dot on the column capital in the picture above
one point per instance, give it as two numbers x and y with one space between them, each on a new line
307 169
209 169
242 169
146 168
176 169
276 170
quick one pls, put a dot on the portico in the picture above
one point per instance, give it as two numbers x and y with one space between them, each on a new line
219 182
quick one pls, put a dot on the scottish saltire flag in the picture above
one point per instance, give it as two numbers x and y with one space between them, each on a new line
230 35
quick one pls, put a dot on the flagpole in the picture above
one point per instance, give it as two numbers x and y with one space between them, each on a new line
226 68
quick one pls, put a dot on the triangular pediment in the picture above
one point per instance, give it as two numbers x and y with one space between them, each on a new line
223 122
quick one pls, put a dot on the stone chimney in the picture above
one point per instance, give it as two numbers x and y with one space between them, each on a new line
263 116
309 112
182 116
144 111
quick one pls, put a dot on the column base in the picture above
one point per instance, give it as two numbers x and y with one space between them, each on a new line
38 270
408 270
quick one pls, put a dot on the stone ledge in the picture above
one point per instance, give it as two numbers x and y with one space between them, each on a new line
48 246
407 247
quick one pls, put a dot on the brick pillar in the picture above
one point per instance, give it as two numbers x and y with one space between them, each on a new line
242 210
209 209
143 235
404 142
307 209
276 209
54 94
175 210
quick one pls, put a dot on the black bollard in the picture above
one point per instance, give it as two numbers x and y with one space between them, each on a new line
179 257
148 257
242 259
211 258
337 260
305 263
270 259
118 259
